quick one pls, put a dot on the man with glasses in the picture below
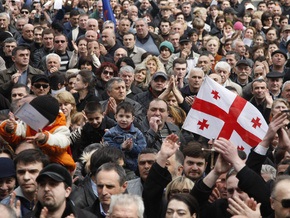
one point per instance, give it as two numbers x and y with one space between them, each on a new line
19 72
60 48
280 197
40 85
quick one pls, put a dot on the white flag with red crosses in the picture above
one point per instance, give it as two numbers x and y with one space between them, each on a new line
218 112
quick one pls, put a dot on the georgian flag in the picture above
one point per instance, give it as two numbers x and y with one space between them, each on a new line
218 112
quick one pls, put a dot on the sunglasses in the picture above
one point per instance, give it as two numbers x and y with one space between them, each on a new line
108 72
24 12
39 85
232 190
285 202
150 162
58 41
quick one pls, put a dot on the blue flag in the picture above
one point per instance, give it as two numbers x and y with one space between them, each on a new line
108 12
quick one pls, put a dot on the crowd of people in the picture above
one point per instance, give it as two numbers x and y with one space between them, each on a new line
112 96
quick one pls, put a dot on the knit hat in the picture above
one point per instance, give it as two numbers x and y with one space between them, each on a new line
238 26
168 45
47 106
56 172
7 168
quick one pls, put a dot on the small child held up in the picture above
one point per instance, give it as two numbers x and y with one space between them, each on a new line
126 136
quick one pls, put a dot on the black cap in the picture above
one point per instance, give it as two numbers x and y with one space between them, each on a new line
229 10
279 52
275 74
184 38
244 62
55 172
159 74
39 77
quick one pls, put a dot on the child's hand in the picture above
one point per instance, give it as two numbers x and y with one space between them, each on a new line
127 144
39 137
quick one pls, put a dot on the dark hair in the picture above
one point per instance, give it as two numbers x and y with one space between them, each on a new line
257 80
93 107
115 167
6 149
105 65
179 61
126 106
148 151
127 60
20 85
55 79
47 32
265 16
189 200
74 12
104 155
87 60
194 149
20 48
31 156
88 77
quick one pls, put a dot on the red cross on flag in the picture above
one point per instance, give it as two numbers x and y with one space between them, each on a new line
218 112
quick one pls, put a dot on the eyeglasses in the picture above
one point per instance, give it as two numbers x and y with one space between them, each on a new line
176 191
58 41
39 85
108 72
24 12
284 202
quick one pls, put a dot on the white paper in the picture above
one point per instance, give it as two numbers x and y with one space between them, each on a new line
28 114
247 42
57 4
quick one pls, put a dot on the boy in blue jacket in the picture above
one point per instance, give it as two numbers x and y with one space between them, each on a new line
126 136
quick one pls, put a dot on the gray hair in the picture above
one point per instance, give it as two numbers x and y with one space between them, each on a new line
112 81
4 14
126 200
52 55
223 65
285 84
268 169
196 69
126 68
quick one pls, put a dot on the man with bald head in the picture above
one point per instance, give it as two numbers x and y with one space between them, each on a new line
27 35
91 35
109 41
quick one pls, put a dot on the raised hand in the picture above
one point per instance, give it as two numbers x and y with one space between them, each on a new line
10 123
15 77
169 146
239 207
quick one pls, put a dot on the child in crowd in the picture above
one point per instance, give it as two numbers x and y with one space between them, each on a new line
52 139
126 136
94 129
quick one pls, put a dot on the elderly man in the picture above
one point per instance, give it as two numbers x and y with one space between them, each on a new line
27 35
54 187
224 70
274 83
53 62
110 179
243 71
120 53
127 74
116 90
148 41
125 205
286 91
19 72
5 24
135 52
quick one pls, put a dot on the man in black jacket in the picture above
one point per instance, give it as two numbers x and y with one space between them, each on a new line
54 188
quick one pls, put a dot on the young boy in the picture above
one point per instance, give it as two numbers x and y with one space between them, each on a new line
126 136
94 130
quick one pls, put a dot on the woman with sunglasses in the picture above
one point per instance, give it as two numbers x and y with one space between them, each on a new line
106 71
84 85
